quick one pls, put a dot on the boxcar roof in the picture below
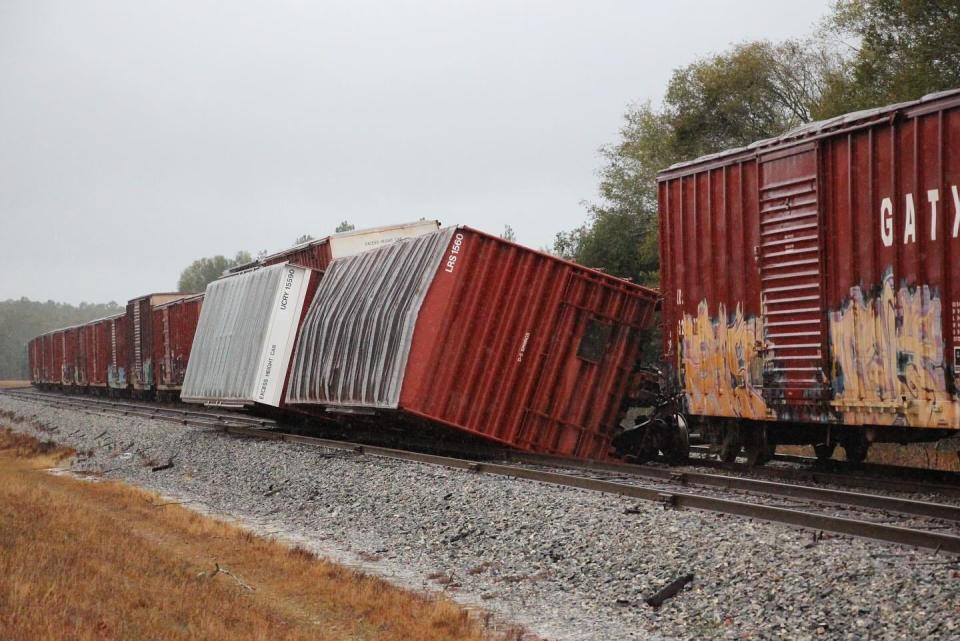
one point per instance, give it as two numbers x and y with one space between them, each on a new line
812 130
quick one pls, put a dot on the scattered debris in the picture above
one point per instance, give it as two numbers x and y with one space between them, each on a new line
668 591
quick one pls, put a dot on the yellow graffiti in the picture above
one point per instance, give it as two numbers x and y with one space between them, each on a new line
720 364
888 360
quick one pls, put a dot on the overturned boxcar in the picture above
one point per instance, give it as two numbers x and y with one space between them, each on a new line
461 329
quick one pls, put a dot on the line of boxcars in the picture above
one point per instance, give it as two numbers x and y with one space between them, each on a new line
812 296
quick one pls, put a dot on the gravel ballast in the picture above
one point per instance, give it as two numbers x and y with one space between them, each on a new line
568 564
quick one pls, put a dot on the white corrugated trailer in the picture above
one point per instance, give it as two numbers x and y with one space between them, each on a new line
246 333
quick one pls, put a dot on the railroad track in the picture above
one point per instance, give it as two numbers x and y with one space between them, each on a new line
916 523
196 417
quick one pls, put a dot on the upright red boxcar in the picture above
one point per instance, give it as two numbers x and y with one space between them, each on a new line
139 328
85 354
467 330
50 368
812 279
117 378
71 355
35 359
174 325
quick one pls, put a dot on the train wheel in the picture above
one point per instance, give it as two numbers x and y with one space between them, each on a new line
757 446
855 448
824 451
730 445
675 441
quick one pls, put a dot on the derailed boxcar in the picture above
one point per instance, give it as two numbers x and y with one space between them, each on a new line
245 335
466 330
317 254
811 289
174 326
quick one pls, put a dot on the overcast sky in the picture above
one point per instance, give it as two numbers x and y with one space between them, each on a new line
136 137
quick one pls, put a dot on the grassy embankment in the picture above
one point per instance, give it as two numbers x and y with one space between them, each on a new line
104 560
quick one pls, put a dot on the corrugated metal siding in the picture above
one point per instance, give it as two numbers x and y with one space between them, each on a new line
356 337
230 334
245 336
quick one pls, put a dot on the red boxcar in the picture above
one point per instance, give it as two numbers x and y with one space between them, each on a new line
467 330
119 357
55 358
85 354
97 348
35 359
174 324
47 359
811 279
139 328
71 355
317 254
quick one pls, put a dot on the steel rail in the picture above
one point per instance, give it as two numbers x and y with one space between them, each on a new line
832 463
142 408
768 488
183 417
682 500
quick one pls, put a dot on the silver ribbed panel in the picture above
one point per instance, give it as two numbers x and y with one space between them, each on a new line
230 336
355 340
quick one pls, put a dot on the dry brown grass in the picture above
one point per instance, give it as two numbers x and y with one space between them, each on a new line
85 561
8 384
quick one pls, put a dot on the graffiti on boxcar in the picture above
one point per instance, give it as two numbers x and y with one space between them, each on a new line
719 363
888 357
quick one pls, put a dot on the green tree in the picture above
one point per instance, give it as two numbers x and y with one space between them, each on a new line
303 239
344 226
204 271
509 234
901 50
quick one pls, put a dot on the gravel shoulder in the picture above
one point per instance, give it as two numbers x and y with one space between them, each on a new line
567 563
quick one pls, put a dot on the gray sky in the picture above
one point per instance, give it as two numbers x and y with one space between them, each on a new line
136 137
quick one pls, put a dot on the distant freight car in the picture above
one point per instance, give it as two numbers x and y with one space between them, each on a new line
98 349
174 326
35 359
249 321
317 254
139 331
812 283
71 356
462 329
